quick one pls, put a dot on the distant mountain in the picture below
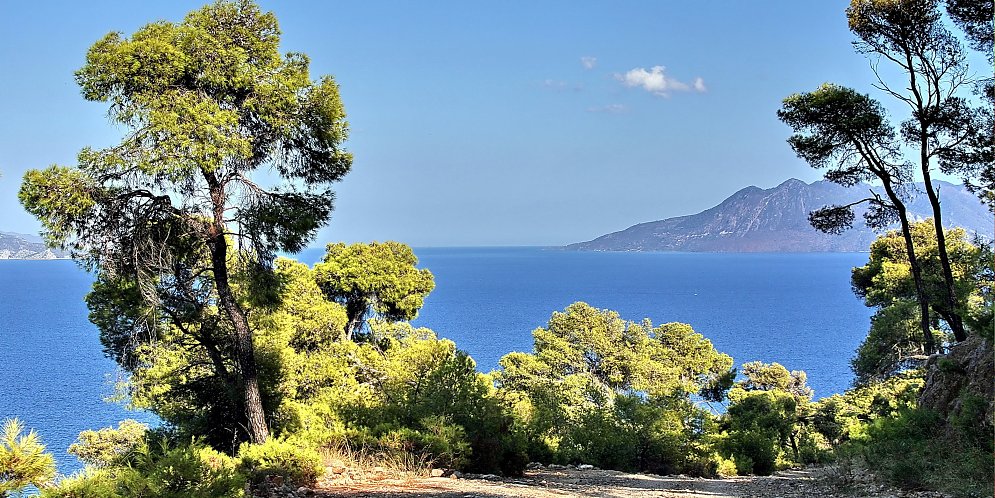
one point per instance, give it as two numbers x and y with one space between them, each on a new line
24 246
776 220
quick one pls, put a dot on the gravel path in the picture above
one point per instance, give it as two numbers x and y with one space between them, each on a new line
561 483
574 483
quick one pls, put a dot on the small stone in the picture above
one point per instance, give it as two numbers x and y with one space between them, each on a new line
555 466
533 466
585 466
336 467
438 472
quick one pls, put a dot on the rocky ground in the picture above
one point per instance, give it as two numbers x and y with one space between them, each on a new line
559 482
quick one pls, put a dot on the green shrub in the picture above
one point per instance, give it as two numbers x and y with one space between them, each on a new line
917 449
812 446
88 483
754 451
725 467
601 390
299 466
23 460
157 470
110 446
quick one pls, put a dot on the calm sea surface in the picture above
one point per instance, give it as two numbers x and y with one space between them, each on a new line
796 309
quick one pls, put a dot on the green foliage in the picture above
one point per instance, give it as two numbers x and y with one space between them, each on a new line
157 470
425 394
915 450
398 390
165 216
23 461
377 277
299 466
843 417
759 424
910 447
108 447
600 390
774 377
886 283
767 423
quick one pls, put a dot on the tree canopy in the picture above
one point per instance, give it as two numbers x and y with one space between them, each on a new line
379 278
847 133
885 283
614 393
208 105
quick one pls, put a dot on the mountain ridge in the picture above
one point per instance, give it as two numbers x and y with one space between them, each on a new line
15 245
754 219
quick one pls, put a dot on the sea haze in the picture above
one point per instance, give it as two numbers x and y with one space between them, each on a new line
796 309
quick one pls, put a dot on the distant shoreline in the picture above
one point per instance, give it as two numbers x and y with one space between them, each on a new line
36 259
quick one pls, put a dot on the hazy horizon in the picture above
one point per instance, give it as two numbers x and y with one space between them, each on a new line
489 125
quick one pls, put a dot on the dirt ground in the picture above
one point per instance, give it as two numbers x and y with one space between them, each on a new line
546 483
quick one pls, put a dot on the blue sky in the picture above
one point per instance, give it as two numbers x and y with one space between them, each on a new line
499 123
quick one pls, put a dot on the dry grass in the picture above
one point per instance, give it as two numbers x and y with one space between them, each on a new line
367 463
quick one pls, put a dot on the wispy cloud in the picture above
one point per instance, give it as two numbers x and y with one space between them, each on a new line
588 62
656 81
609 109
561 86
554 84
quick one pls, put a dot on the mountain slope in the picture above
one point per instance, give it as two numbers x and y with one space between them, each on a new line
23 246
776 220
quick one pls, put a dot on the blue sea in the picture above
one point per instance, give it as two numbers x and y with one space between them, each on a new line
796 309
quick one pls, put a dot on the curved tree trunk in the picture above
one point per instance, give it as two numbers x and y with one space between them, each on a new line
245 356
244 350
955 321
927 334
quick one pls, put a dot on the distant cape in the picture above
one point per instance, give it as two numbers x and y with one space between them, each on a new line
24 246
776 220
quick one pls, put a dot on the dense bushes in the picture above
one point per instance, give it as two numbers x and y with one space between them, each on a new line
882 425
918 450
155 467
768 423
298 466
600 390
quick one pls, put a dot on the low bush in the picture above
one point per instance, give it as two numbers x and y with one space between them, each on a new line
110 446
297 465
157 470
917 449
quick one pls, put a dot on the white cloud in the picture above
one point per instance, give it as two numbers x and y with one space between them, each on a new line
588 62
610 108
657 82
699 85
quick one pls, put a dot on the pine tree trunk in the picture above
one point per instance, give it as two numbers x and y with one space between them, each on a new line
245 357
244 350
927 334
955 321
355 311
